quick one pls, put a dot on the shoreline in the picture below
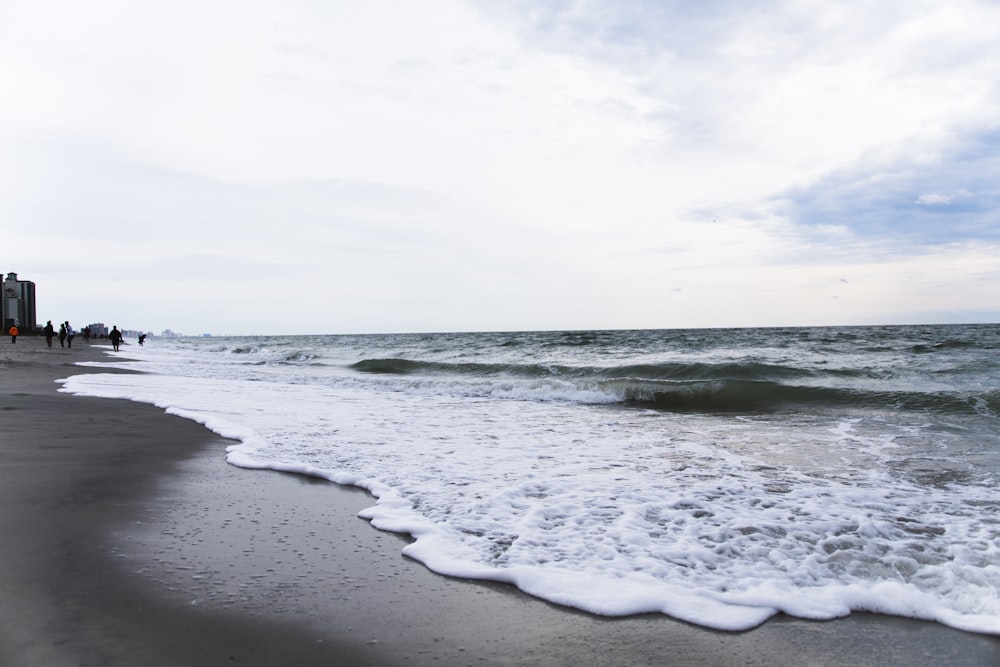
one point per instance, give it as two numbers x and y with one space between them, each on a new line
130 540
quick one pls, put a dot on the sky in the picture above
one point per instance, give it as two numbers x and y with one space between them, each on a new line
313 167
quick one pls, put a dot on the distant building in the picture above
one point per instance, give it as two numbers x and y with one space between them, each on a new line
19 303
98 329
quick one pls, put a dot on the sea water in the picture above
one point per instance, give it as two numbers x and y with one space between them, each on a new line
716 476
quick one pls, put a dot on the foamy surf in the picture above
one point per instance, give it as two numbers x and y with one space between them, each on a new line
721 515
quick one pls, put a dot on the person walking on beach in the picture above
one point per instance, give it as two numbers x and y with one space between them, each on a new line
69 335
116 337
62 335
13 333
50 332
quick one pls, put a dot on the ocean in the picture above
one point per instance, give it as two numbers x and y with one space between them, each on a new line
717 476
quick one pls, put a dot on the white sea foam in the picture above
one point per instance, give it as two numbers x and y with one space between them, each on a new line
720 521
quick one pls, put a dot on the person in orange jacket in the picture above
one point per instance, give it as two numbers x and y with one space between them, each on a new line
13 333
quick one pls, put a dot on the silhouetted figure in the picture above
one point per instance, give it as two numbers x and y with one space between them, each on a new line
50 333
116 337
69 335
62 335
142 338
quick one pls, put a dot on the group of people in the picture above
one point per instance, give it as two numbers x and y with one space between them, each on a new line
67 334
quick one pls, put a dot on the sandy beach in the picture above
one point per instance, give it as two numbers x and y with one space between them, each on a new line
128 540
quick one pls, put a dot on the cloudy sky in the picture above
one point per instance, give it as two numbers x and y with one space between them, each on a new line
324 166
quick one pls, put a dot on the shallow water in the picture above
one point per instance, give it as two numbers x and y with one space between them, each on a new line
718 476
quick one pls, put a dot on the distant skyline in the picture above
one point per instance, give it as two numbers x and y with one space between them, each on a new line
339 167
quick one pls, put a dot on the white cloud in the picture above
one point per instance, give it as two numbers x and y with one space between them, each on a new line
453 165
932 199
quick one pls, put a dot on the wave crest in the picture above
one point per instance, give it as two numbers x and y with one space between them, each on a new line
687 387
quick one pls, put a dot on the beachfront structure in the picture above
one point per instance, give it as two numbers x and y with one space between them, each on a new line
19 303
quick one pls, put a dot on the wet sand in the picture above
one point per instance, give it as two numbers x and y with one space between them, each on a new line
127 540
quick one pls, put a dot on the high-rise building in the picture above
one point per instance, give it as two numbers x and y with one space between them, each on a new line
19 303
